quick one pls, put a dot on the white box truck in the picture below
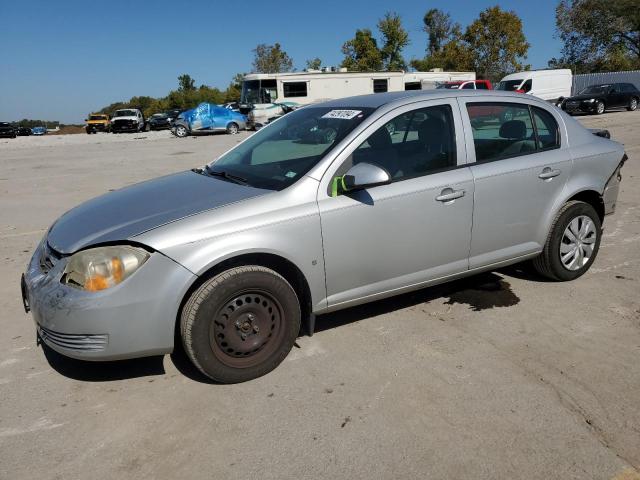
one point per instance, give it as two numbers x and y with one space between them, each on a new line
551 85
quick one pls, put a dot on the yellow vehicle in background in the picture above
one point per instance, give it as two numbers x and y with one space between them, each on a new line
97 122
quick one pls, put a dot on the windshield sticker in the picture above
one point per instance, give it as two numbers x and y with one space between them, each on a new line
290 174
342 114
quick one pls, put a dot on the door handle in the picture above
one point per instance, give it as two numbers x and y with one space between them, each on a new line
548 173
449 195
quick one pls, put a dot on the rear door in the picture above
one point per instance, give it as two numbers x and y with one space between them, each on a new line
397 236
520 168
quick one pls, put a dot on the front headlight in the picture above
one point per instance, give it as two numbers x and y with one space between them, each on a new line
103 267
591 100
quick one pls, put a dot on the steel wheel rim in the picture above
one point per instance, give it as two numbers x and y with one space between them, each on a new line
233 129
181 131
578 242
247 329
600 107
634 104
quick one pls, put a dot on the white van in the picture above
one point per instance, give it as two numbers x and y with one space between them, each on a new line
550 85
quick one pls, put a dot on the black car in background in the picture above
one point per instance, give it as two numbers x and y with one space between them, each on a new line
164 120
598 98
7 130
23 131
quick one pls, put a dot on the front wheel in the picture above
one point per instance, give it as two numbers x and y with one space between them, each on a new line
572 244
233 128
181 131
241 324
600 108
633 104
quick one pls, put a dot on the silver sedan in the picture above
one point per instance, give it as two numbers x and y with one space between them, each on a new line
330 206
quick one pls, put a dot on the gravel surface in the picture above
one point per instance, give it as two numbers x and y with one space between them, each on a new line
499 376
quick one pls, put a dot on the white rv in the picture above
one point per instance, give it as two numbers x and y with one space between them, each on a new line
266 93
550 85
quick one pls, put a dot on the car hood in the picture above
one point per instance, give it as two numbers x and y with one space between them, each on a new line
125 213
124 118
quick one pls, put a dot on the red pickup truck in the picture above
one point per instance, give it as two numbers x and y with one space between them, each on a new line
467 85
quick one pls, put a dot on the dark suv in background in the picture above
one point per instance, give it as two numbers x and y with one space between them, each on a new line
598 98
7 130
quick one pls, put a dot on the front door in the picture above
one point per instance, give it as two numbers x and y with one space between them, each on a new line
393 237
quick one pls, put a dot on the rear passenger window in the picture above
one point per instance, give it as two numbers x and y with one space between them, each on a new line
411 145
468 86
546 128
481 86
503 130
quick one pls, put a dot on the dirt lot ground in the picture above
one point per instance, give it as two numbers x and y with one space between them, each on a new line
500 376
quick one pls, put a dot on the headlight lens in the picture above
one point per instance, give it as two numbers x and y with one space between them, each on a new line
591 100
103 267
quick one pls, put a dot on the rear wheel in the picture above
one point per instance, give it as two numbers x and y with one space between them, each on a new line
233 128
600 107
633 104
572 244
241 324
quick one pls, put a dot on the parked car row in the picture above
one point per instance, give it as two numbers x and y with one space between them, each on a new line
9 130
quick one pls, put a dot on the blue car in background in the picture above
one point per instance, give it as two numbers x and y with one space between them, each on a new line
39 131
208 117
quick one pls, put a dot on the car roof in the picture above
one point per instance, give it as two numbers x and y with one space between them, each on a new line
377 100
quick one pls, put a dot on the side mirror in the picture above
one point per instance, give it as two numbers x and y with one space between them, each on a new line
360 176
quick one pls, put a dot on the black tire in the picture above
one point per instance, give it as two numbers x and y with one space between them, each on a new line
633 104
219 324
600 107
181 131
88 132
233 128
549 263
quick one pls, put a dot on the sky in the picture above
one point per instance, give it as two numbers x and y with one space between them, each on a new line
60 60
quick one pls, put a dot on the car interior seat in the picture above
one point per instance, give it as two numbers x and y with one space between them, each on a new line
516 132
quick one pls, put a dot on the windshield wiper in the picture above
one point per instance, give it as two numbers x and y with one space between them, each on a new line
226 175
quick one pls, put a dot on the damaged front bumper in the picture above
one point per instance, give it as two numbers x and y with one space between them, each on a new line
133 319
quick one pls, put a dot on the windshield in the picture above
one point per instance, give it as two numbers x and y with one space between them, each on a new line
4 124
125 113
281 153
259 91
597 89
449 86
509 85
97 117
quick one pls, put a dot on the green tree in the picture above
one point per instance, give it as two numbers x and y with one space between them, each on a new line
497 42
361 52
186 83
395 39
598 35
446 47
314 64
271 59
440 29
234 90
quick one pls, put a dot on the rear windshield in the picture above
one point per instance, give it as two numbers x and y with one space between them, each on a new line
509 85
281 153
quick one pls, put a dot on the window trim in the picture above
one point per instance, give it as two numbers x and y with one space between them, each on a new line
515 155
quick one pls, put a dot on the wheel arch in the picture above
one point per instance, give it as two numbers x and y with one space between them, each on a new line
279 264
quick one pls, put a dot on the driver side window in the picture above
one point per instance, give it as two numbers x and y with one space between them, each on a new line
413 144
